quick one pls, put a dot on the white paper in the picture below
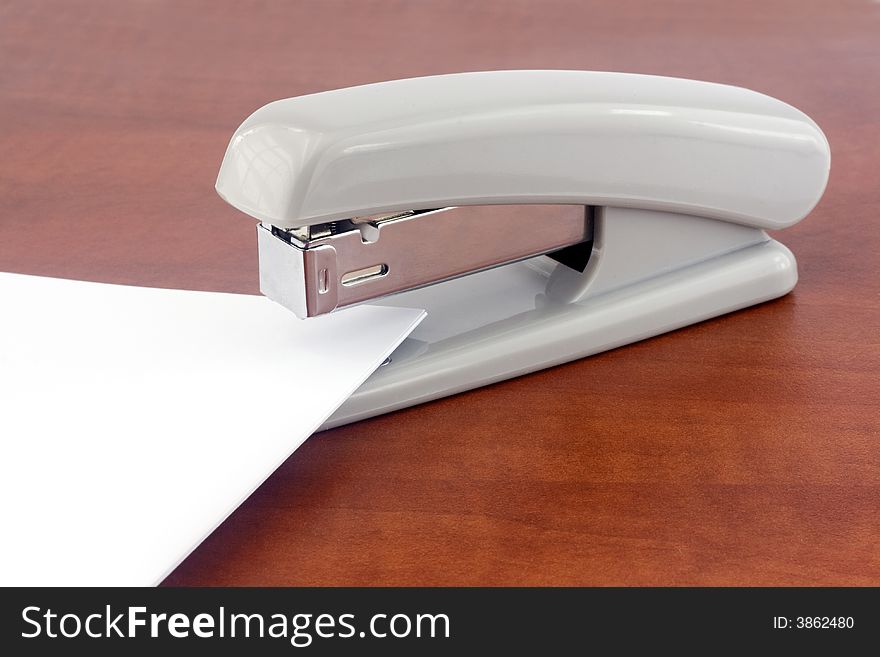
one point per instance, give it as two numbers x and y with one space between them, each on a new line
134 420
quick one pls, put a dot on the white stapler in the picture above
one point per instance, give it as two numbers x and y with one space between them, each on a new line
538 216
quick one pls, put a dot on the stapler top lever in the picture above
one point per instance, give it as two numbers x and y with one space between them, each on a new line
375 189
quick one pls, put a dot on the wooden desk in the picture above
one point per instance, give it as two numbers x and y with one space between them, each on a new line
743 450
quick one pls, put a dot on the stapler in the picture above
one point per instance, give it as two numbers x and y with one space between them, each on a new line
538 216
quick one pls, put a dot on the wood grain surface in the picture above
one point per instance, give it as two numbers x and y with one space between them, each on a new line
743 450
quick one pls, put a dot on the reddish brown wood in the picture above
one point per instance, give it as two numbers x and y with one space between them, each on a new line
743 450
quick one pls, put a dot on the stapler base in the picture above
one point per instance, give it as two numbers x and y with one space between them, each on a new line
501 323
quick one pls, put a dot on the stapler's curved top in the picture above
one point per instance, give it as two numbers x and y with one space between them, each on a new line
547 137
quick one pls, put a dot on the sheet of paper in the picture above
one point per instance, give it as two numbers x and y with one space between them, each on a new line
134 420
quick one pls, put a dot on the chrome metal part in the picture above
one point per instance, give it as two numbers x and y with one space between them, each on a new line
316 269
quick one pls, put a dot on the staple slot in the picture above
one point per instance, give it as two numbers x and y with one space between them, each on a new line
359 276
323 281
